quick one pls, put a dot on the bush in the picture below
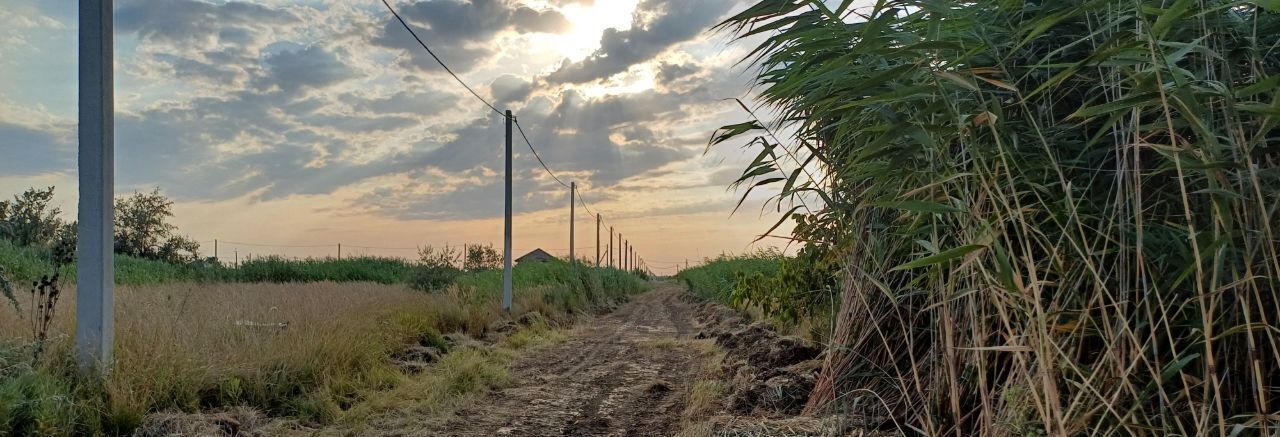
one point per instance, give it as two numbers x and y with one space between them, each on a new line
29 220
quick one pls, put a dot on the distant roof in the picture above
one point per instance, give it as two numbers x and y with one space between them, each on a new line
538 255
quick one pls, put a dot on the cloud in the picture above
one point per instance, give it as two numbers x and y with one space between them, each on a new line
246 100
656 26
30 151
311 67
193 21
460 31
671 73
508 89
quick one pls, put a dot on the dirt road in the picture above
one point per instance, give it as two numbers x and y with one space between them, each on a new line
623 374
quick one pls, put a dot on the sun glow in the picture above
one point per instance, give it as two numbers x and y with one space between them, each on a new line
589 22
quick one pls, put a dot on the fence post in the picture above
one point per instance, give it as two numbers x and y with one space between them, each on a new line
506 226
95 251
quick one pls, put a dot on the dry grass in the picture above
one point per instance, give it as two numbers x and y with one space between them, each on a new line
705 396
179 348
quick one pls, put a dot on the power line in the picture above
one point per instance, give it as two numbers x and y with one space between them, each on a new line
437 58
535 155
519 128
584 204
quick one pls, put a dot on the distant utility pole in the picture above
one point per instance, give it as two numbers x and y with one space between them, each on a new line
506 238
573 191
626 255
215 248
340 251
95 257
597 240
611 247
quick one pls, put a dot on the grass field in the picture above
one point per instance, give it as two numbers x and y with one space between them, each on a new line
26 264
179 347
717 278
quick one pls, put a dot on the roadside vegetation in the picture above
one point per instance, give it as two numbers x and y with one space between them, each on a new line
1046 218
794 293
310 352
314 341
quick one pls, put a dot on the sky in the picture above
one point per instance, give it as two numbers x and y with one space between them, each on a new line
291 126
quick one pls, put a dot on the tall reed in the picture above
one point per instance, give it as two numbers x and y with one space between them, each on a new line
1059 216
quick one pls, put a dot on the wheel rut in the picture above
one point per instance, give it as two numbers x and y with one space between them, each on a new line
620 375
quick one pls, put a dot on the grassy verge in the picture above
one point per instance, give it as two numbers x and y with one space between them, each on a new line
718 278
186 347
25 264
706 396
451 384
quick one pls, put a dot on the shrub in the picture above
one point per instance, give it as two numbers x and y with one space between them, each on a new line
437 268
28 219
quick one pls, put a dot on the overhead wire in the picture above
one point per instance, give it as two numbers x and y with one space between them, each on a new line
495 109
438 60
539 157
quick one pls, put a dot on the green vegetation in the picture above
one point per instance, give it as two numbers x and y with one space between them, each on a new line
319 352
1051 218
276 335
718 278
795 293
26 264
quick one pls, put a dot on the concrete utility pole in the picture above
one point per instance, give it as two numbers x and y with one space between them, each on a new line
506 238
573 191
611 247
95 256
597 240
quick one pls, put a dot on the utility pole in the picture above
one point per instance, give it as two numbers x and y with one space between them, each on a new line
622 248
626 255
611 245
573 191
597 239
506 238
215 249
95 256
339 251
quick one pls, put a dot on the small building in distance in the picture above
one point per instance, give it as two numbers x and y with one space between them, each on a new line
538 256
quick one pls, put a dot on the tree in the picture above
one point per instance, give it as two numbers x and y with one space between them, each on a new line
143 229
29 219
481 258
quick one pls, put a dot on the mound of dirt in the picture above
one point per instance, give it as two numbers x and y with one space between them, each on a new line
771 374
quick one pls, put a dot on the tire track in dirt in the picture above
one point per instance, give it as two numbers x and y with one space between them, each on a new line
618 376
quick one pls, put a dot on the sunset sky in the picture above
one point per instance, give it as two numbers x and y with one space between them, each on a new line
312 123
